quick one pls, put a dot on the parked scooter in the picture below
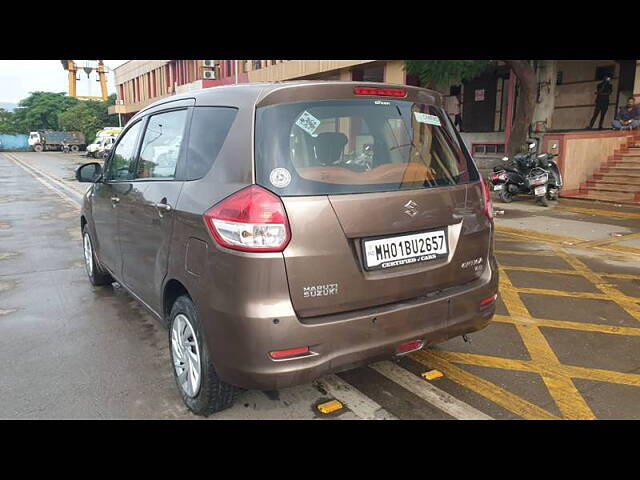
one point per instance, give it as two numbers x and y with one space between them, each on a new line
528 174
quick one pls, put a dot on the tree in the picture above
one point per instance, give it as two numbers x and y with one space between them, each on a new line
40 110
7 122
88 117
439 73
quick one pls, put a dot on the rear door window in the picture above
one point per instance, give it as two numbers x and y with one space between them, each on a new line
351 146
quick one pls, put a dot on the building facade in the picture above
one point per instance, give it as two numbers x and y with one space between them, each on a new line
565 98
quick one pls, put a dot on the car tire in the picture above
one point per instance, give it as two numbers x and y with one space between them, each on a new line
97 275
75 148
211 394
38 148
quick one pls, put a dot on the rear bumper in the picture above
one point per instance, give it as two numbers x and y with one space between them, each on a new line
345 341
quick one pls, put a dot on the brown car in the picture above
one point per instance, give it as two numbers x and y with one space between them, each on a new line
287 230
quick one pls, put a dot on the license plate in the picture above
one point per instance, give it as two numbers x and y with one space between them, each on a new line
388 252
497 187
539 191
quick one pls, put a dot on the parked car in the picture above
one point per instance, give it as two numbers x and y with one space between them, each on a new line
272 255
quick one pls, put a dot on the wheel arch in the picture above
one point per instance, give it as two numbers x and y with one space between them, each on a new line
173 289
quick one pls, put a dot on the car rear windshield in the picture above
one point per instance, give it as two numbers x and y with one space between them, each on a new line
355 146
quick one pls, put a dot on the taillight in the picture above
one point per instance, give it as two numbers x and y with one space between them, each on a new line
380 92
487 207
488 300
251 220
291 352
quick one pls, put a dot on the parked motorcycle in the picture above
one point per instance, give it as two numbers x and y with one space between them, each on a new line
65 148
528 174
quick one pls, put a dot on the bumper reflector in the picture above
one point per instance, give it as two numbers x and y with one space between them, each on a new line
329 407
409 346
488 300
291 352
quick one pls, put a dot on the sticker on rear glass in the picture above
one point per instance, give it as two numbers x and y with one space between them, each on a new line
308 122
280 177
428 119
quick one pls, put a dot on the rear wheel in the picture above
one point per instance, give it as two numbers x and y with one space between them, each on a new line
200 387
505 195
543 201
97 276
75 148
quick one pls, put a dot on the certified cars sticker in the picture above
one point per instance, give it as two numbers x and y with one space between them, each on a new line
308 122
428 119
280 177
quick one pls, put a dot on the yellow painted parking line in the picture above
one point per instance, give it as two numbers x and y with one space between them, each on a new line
601 375
531 253
600 212
517 268
507 400
560 387
609 241
534 235
624 301
568 325
562 293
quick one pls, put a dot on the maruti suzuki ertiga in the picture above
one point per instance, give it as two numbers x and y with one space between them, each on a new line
287 230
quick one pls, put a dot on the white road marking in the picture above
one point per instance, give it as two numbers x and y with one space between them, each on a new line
356 401
50 178
428 392
50 186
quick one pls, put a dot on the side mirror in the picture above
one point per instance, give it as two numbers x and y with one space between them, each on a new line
89 172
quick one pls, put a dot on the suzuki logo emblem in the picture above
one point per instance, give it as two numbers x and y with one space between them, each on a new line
411 208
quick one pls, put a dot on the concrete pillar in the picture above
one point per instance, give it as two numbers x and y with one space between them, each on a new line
394 72
547 73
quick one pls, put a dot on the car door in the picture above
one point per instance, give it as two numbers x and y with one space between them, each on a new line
106 196
145 218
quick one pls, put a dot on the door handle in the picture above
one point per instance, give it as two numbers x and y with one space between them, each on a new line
163 206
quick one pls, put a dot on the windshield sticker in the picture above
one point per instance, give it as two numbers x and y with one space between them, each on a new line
308 122
428 119
280 177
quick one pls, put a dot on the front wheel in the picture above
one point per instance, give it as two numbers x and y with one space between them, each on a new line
97 276
201 389
38 148
505 195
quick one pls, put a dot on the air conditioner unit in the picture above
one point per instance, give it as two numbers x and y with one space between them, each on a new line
209 74
210 63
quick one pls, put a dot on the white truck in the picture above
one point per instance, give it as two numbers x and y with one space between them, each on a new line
105 139
55 140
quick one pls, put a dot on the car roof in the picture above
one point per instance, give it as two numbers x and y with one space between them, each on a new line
249 94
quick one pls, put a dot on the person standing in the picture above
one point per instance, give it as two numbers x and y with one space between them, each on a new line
603 91
452 106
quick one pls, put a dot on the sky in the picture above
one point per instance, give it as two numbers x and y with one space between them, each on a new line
19 77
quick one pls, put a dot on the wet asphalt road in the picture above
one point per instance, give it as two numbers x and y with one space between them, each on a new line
70 350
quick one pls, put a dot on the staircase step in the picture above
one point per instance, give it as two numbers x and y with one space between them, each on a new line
607 196
612 187
608 178
621 170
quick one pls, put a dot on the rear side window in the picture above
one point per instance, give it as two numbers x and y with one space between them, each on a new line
209 129
359 145
160 148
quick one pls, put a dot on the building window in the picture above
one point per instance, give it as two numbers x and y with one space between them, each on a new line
273 62
487 148
257 64
245 65
228 67
605 71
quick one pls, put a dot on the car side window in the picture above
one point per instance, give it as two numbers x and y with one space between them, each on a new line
161 145
123 161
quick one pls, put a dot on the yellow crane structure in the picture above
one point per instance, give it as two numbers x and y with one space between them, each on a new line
72 68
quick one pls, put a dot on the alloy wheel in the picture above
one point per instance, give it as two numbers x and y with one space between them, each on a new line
186 355
88 254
